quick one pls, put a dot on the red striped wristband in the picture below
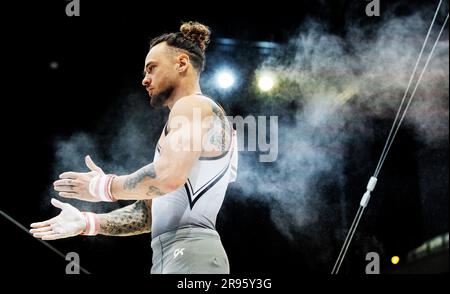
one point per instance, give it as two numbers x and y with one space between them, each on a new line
100 187
92 224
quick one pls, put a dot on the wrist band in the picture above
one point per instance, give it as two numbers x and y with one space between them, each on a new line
100 187
92 224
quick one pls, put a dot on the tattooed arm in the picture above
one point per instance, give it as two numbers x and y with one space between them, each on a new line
179 152
130 220
219 131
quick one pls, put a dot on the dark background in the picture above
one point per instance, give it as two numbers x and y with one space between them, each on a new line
100 56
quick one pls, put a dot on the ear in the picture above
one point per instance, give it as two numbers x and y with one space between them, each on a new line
183 62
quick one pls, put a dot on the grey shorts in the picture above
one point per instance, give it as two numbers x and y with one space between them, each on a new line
189 251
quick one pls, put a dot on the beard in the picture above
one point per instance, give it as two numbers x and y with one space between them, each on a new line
157 100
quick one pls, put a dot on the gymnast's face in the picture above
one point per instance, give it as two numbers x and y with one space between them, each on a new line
161 75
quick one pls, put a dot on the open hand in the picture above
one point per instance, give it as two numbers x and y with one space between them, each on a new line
70 222
76 185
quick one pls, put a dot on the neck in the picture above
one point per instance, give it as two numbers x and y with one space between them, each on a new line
186 88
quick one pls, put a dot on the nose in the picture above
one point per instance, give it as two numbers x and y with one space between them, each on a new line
146 81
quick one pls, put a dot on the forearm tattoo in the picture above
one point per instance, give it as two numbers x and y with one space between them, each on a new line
154 191
130 220
134 179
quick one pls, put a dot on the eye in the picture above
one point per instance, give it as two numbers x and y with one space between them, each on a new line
149 69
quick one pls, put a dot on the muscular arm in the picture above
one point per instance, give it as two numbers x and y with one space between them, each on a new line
196 125
179 152
130 220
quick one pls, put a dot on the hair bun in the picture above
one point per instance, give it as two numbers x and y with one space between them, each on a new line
197 33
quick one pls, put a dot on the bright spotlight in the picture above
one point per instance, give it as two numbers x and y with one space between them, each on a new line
395 259
225 79
266 82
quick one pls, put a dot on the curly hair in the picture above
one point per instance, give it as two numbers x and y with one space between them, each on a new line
193 38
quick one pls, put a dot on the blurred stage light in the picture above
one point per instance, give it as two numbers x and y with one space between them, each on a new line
266 82
54 65
225 79
395 259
